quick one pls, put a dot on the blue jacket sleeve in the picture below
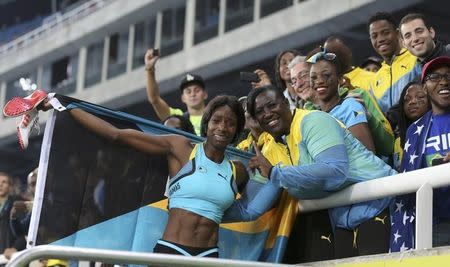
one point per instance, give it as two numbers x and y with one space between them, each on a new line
327 174
257 199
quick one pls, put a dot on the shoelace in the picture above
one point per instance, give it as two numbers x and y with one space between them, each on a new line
34 123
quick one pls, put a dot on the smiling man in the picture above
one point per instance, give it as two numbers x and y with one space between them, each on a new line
419 38
299 71
399 66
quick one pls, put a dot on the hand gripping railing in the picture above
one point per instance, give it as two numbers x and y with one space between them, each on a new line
420 181
124 257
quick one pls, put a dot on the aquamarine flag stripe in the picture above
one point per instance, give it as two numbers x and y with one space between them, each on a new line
148 224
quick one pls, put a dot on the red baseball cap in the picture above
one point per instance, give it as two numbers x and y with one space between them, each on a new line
439 61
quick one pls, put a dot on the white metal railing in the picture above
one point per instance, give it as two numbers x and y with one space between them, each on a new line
420 181
124 257
54 21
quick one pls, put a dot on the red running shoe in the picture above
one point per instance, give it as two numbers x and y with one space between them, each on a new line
18 106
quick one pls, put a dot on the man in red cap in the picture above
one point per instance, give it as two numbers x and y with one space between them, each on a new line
428 144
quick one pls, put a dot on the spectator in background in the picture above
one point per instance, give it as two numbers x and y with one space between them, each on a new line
31 185
252 131
399 66
21 211
372 64
359 78
283 76
7 239
326 72
300 69
414 103
193 94
179 122
351 84
311 236
419 38
427 145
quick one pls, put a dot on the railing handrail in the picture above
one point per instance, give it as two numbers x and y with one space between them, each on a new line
403 183
399 184
78 12
123 257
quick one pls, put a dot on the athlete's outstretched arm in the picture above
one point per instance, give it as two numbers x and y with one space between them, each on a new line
150 144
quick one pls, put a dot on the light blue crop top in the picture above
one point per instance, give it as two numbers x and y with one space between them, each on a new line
203 186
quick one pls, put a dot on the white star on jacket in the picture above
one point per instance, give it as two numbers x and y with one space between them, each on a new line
396 236
405 218
399 206
403 247
419 129
407 145
412 158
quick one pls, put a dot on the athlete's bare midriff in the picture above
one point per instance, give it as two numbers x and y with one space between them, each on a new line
190 229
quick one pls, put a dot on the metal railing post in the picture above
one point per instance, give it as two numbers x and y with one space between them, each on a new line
424 217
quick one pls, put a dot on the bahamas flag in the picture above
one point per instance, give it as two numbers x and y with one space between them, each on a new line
95 194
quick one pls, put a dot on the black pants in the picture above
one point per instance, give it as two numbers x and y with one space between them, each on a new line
311 238
371 237
167 247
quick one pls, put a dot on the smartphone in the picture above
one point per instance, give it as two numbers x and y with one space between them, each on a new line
155 52
249 77
437 161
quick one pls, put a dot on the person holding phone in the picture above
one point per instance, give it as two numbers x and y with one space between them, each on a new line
428 143
192 88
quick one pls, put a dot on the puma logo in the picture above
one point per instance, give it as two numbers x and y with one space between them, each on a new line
224 177
328 238
403 66
380 220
